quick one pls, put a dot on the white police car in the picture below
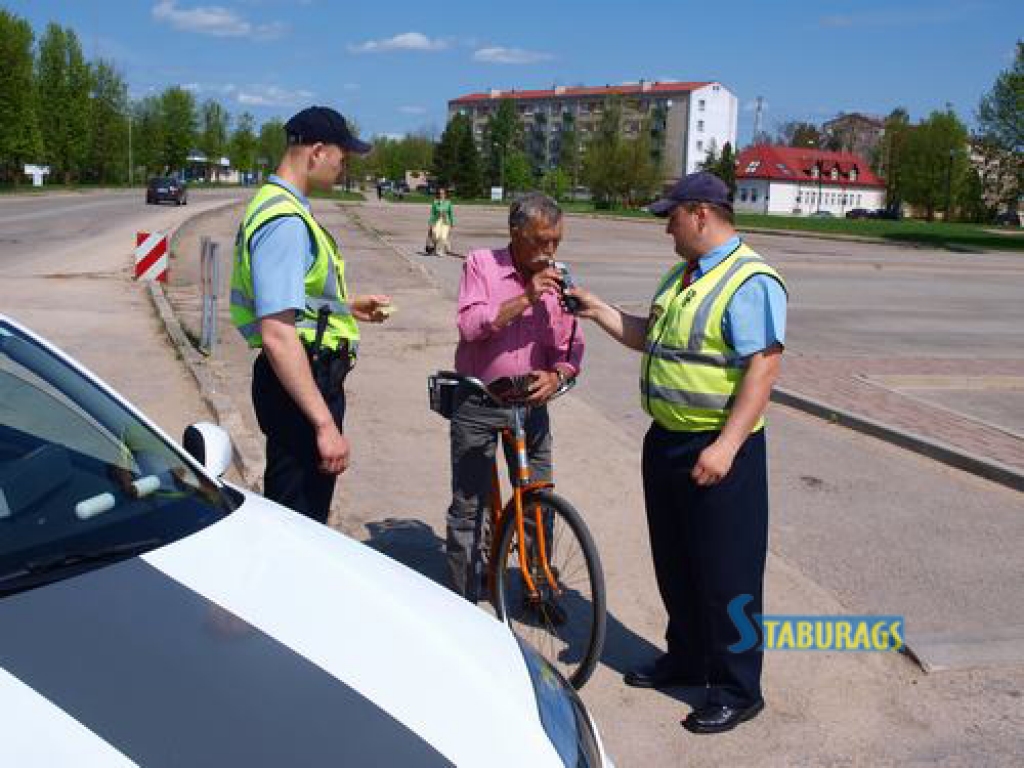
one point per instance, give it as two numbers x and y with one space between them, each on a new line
152 615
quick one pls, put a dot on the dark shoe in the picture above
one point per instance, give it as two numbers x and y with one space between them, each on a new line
719 719
659 674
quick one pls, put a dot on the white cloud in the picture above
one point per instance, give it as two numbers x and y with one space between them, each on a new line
413 110
407 41
499 55
272 96
213 20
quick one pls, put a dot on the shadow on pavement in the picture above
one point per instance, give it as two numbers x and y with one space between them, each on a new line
413 543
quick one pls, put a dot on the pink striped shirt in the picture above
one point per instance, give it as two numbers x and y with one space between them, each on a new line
534 341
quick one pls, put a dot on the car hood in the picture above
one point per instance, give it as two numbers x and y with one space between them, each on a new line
264 639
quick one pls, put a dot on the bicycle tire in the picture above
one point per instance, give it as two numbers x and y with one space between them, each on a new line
573 646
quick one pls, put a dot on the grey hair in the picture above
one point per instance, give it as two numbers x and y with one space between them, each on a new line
530 206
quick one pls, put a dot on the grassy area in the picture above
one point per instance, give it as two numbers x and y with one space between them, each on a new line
937 234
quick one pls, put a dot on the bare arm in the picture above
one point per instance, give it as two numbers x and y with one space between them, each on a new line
629 330
715 461
288 358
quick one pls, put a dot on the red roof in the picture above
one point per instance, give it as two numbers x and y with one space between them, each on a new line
764 161
605 90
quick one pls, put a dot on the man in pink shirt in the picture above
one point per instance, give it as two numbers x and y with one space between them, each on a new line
511 323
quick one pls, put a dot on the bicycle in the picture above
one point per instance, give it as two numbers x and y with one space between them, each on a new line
544 573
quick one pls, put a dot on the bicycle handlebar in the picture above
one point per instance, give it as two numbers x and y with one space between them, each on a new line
509 398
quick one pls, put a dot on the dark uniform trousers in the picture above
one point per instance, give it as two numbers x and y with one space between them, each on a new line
292 476
709 546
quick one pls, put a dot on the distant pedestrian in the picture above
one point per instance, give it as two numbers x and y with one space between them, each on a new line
712 344
289 300
439 227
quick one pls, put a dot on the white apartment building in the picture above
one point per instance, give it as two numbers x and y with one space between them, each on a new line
686 119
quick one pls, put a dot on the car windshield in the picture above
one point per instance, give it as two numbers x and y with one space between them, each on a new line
82 480
161 182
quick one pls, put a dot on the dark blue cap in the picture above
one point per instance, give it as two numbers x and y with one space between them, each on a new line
700 187
323 125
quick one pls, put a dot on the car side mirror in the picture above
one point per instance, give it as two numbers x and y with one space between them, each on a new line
209 445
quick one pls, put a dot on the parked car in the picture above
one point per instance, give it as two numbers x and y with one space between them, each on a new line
1008 219
153 614
822 215
161 188
892 213
860 213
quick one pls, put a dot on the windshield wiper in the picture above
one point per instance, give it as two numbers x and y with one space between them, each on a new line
62 560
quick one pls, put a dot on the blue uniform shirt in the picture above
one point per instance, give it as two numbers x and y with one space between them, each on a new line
282 254
756 316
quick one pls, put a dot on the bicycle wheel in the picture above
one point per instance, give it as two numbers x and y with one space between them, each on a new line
565 622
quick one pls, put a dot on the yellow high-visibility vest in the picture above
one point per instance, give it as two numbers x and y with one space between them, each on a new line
690 375
324 281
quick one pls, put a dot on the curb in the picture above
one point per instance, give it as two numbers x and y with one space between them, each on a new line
246 449
952 456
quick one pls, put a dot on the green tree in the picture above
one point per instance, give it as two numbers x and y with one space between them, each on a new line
557 183
213 134
1001 124
503 134
108 130
148 136
642 175
271 145
797 133
468 176
20 140
570 152
178 116
892 148
63 81
518 172
971 201
446 154
606 159
726 170
243 143
935 162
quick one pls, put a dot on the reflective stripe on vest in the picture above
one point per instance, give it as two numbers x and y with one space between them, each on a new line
324 281
690 375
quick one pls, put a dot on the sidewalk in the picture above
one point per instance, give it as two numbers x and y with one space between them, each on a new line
823 708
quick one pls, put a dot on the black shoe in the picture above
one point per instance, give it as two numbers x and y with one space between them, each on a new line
660 674
719 718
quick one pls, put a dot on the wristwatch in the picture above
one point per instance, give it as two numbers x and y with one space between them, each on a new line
562 378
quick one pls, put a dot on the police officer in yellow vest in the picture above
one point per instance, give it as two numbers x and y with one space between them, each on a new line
289 299
711 348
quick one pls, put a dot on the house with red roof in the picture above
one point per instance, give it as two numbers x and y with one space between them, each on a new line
686 119
800 181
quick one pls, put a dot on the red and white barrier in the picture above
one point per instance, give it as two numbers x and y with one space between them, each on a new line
151 256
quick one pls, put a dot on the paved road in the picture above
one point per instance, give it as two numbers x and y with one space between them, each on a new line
858 525
33 226
882 529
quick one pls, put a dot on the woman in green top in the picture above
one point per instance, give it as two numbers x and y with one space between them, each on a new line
442 219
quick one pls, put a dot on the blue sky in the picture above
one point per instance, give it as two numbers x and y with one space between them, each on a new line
393 65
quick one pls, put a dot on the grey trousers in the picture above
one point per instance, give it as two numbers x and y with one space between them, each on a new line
474 436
